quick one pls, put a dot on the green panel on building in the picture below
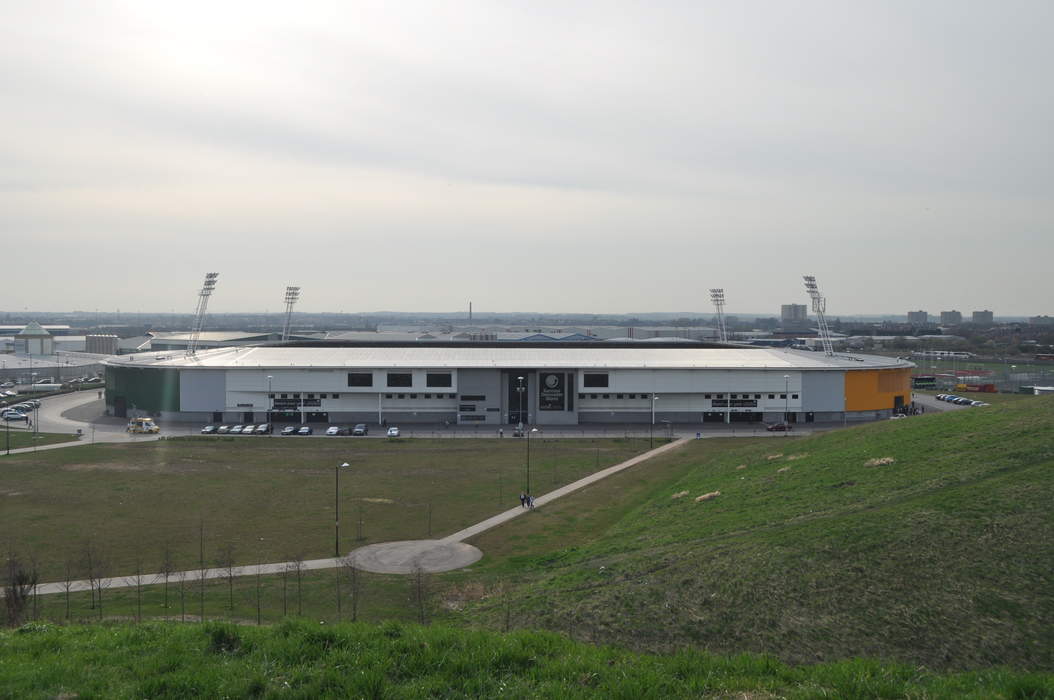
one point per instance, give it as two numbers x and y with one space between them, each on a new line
136 389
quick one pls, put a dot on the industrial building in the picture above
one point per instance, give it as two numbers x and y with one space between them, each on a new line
501 383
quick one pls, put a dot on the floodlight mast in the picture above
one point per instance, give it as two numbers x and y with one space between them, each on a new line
819 307
199 313
717 296
292 295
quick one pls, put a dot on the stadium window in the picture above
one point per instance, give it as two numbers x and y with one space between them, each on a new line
360 378
719 396
733 396
644 396
427 396
772 396
473 397
387 396
631 396
595 380
413 396
334 396
400 379
581 396
402 396
284 396
438 379
270 396
607 396
451 396
783 396
707 396
618 396
310 396
757 396
794 396
296 396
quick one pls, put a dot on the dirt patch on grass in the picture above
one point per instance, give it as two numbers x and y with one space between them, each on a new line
707 496
741 466
783 469
775 456
680 494
794 457
879 461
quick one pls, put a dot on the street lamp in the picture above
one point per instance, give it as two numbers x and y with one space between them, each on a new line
336 508
528 436
651 427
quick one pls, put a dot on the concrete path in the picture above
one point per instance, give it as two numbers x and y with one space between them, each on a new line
387 557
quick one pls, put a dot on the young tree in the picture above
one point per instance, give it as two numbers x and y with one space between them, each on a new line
258 615
67 584
181 576
420 594
20 580
297 567
166 568
136 579
202 570
102 578
347 565
225 562
89 562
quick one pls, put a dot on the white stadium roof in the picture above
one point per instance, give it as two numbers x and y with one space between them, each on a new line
556 357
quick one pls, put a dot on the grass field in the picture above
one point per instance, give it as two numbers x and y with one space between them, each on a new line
943 555
18 438
305 660
268 499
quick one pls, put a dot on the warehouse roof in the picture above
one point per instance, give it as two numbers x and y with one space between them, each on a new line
508 356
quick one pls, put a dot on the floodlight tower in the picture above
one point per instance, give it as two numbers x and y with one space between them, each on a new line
819 306
717 296
292 295
199 313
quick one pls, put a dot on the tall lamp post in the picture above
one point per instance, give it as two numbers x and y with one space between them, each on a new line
336 508
528 436
651 426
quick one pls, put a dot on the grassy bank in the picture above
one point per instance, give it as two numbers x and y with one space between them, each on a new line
304 659
929 540
18 438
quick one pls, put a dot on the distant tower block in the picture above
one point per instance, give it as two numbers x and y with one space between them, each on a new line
199 313
717 296
470 312
292 295
819 307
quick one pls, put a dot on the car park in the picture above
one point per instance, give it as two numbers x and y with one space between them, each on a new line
963 401
223 430
305 430
978 403
236 429
263 429
15 416
289 430
393 432
7 385
360 429
779 427
208 430
336 430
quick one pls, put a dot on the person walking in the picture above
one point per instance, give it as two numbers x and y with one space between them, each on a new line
530 501
523 500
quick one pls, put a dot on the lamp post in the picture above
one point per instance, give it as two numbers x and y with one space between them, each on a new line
336 508
1011 377
651 426
528 436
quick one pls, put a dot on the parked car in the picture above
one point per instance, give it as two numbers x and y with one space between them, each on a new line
237 429
779 427
518 430
336 430
305 430
289 430
15 416
223 430
360 429
208 430
393 432
263 429
7 385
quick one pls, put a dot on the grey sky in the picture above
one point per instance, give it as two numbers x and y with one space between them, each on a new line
555 156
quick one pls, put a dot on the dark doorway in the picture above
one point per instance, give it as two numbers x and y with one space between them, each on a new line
317 417
809 417
248 417
120 406
217 416
746 417
898 403
713 417
285 417
519 402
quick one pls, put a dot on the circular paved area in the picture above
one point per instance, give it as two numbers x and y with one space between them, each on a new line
406 557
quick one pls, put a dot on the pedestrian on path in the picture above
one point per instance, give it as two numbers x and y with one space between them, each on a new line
523 500
530 501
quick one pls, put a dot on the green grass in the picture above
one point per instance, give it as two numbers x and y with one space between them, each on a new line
269 499
944 557
20 437
308 660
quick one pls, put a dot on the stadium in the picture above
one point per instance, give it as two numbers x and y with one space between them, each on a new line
498 384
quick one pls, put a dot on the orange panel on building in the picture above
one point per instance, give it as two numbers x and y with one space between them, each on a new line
876 389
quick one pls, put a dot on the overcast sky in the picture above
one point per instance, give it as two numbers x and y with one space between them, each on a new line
593 156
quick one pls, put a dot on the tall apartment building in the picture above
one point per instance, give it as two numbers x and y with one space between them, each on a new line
794 315
951 318
983 317
918 318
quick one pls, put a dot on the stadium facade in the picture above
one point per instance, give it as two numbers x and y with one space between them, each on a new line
492 384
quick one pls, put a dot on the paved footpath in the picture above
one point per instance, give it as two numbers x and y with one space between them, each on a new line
430 555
